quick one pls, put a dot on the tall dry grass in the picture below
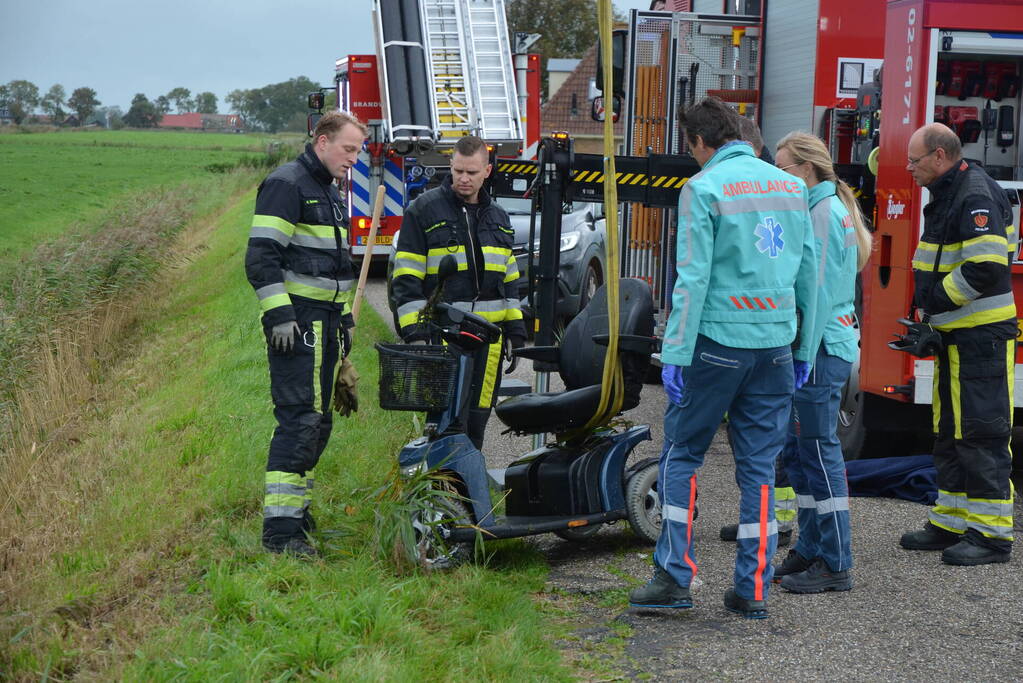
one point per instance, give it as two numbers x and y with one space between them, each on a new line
68 318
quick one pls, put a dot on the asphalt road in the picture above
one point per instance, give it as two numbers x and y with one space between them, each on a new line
908 618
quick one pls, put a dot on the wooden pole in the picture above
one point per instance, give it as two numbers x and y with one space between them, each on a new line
378 207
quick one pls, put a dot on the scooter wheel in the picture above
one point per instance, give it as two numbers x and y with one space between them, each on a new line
432 550
642 503
579 533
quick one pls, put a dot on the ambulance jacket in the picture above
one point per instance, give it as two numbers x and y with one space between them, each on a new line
970 218
298 244
837 253
746 259
480 238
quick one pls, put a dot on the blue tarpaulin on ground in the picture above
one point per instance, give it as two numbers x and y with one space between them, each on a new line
910 477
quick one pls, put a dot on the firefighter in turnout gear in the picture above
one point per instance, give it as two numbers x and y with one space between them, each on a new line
299 264
961 271
460 219
746 263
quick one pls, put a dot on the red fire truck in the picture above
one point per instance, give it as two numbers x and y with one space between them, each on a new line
816 65
444 69
958 63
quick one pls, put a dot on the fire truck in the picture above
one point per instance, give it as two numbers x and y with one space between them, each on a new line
863 76
443 69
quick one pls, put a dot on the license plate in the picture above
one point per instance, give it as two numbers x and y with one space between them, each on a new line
384 239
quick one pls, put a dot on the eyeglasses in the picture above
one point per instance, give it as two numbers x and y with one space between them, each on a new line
913 162
782 168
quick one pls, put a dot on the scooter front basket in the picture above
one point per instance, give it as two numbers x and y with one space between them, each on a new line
416 377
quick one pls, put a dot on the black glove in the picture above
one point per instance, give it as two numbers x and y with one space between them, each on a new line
282 337
510 344
921 340
416 335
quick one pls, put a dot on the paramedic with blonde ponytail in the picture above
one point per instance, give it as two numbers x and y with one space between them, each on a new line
822 558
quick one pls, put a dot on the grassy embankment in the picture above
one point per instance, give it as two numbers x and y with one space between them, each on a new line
129 529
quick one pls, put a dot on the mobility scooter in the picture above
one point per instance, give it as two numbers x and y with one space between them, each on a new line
573 484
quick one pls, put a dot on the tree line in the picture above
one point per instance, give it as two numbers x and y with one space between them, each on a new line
273 107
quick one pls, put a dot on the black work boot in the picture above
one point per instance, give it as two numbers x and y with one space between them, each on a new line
730 532
661 591
967 554
792 564
817 579
751 609
297 547
308 522
929 538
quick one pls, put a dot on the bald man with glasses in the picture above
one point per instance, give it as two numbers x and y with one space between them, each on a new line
961 271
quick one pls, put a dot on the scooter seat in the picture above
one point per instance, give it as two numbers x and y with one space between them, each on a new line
550 411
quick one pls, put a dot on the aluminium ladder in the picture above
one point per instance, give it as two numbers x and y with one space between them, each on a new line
473 85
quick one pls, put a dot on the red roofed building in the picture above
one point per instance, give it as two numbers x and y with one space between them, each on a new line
568 109
196 121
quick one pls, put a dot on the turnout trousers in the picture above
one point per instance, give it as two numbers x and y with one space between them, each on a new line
301 382
815 466
486 380
972 408
754 386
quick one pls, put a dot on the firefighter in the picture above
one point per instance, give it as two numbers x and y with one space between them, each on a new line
963 290
459 218
299 264
822 558
746 262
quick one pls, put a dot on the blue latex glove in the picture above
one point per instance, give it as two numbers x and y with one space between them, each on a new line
671 376
801 369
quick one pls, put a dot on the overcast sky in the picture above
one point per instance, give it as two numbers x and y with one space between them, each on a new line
123 47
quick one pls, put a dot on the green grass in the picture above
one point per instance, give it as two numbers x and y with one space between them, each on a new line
158 573
50 181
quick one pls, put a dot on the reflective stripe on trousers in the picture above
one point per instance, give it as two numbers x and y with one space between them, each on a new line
815 466
754 386
973 380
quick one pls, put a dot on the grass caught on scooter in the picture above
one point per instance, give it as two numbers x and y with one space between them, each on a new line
410 512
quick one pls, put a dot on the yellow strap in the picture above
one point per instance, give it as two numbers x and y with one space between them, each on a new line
612 386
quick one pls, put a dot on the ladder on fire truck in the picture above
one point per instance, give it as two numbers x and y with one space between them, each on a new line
469 59
468 67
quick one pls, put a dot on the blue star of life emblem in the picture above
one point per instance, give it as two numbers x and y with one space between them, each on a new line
770 242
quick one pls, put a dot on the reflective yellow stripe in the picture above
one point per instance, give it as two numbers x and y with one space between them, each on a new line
277 223
953 387
490 376
326 231
957 297
317 365
275 301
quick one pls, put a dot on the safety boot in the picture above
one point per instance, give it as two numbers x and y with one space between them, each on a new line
297 547
308 522
730 532
751 609
929 538
792 564
661 591
967 554
817 579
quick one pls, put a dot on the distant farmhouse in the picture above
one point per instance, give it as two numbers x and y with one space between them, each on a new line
227 123
5 117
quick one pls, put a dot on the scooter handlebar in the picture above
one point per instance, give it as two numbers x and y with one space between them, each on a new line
460 317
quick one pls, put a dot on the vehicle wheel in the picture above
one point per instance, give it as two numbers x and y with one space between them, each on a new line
850 430
642 504
432 525
579 533
591 282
